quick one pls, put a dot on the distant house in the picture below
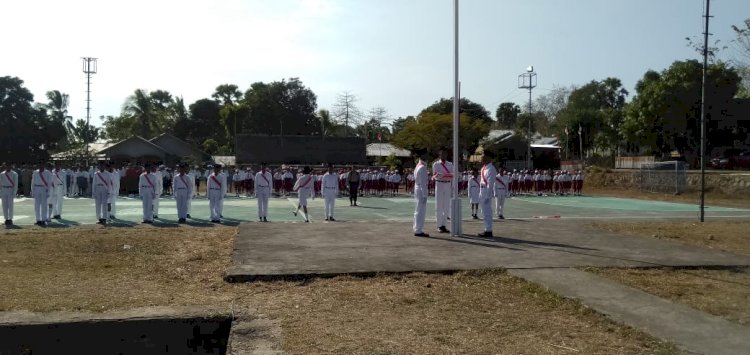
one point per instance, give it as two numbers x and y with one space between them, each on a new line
382 150
165 148
511 149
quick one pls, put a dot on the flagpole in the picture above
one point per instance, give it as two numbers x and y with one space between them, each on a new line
456 200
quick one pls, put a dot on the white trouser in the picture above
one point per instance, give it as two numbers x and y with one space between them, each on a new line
303 195
156 205
56 200
442 203
112 204
330 202
420 210
181 198
40 202
485 200
101 194
190 204
148 206
6 195
500 201
262 197
73 186
214 203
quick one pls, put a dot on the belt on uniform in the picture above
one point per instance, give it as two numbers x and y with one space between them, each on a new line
180 188
443 180
100 185
214 188
330 187
7 187
40 185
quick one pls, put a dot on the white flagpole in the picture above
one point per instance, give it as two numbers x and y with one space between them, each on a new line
456 201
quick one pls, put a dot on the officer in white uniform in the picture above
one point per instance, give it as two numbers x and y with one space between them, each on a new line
501 192
112 200
217 188
41 185
58 191
101 189
192 177
330 190
442 173
486 191
8 191
421 181
183 191
147 190
263 185
304 187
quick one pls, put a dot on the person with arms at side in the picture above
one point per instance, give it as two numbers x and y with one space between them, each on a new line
41 185
57 192
502 180
216 185
353 179
147 191
474 193
8 191
183 191
112 200
442 171
486 192
421 181
263 185
101 189
330 190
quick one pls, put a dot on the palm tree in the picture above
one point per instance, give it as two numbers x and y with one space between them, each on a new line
57 109
141 107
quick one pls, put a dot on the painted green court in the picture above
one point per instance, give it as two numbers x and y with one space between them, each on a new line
388 209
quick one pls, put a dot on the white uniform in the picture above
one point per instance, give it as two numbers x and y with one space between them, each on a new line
183 191
195 192
330 189
501 192
112 200
101 189
8 191
41 185
486 190
474 190
421 180
159 177
147 191
263 186
217 188
58 190
442 174
304 187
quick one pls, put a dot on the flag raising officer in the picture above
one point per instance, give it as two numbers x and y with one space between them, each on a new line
8 191
501 192
304 188
217 188
57 191
147 191
421 180
183 191
330 187
41 180
442 173
486 191
263 185
101 189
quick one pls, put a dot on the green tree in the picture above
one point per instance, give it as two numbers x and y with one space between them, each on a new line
57 109
117 128
205 122
141 107
282 107
210 146
399 123
227 94
665 113
507 115
431 131
27 133
472 109
741 44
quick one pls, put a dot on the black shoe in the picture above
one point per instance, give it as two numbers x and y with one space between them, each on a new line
421 235
294 213
7 222
265 219
332 219
56 217
156 217
181 220
307 221
501 217
148 222
485 235
328 218
474 216
442 229
215 221
188 216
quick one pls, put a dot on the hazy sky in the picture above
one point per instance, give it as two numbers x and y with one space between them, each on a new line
397 54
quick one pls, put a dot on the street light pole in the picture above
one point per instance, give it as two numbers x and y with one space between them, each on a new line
527 80
703 113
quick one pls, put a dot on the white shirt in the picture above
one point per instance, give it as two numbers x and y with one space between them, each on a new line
330 184
442 170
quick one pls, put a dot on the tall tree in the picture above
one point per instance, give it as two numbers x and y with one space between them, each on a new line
472 109
27 133
282 107
507 115
205 122
140 106
399 124
345 110
430 131
553 102
741 44
57 109
227 94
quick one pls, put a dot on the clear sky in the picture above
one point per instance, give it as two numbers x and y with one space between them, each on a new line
397 54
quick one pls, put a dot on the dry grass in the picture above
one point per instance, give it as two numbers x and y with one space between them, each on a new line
711 198
482 312
726 235
724 293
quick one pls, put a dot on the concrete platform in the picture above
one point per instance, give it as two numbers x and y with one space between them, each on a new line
264 251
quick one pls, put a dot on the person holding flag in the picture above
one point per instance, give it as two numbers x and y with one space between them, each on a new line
486 191
8 191
421 181
263 185
303 186
41 185
442 174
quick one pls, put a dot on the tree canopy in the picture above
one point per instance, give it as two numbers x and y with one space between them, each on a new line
465 106
431 131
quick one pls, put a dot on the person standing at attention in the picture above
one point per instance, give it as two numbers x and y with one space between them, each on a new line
8 191
353 179
486 192
216 184
183 191
41 185
330 190
263 185
421 180
442 171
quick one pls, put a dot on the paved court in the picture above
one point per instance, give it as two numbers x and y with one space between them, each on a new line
387 209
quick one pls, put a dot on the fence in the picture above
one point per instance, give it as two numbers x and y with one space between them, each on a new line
666 177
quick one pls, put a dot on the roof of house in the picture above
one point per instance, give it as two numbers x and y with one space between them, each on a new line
386 149
134 147
177 147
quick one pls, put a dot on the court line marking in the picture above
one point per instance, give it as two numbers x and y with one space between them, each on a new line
723 209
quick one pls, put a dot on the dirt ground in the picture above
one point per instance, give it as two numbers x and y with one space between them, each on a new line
723 293
101 269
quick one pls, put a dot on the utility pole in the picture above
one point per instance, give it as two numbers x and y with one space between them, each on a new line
89 68
527 80
707 16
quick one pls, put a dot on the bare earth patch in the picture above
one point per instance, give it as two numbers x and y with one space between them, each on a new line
101 269
723 293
